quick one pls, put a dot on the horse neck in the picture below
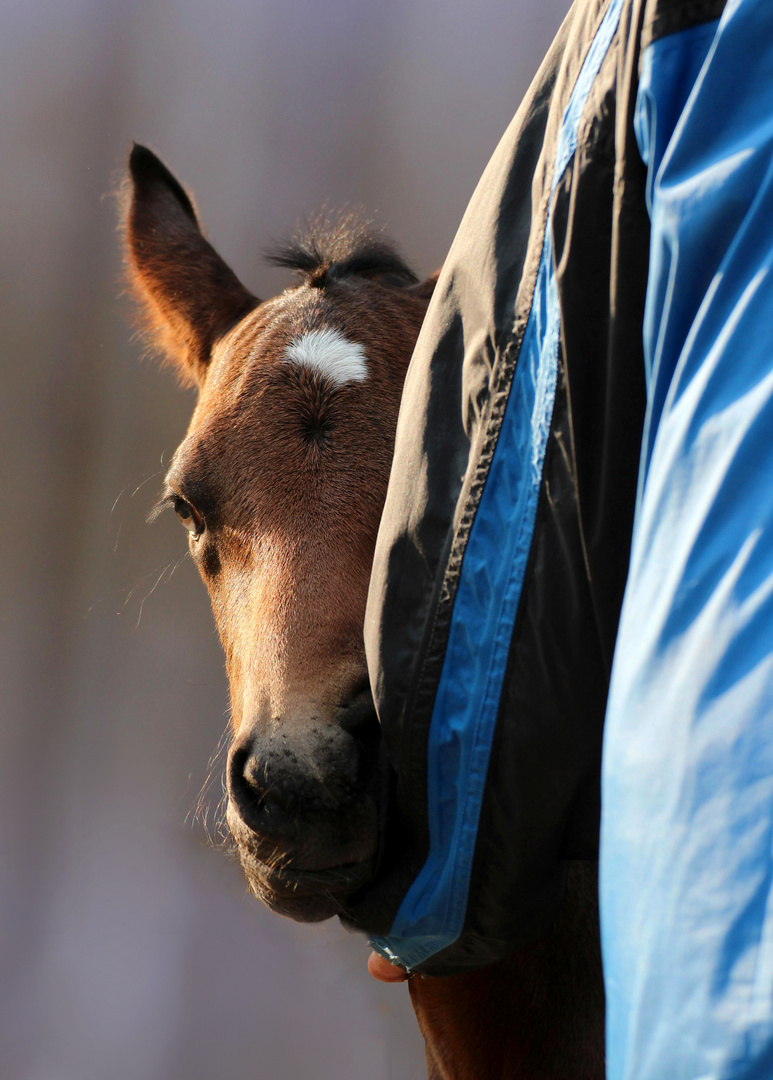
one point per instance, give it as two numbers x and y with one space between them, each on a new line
538 1015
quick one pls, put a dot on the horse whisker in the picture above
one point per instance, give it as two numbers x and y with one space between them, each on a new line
173 564
213 824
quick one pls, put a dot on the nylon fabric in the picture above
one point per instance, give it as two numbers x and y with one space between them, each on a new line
687 828
437 478
432 915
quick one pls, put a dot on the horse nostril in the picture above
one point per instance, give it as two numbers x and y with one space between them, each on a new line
260 801
256 774
357 711
357 718
282 784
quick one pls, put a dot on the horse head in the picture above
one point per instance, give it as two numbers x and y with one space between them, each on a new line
280 483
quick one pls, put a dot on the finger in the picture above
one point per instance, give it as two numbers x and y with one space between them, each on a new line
382 970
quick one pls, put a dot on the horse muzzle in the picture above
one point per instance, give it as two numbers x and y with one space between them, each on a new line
304 819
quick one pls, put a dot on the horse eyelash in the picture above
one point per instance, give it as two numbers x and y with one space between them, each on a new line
166 500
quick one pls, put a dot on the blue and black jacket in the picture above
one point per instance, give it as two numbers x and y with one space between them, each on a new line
503 550
594 369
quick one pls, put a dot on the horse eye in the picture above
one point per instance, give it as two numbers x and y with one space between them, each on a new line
189 517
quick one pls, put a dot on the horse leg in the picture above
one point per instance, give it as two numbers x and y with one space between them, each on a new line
537 1015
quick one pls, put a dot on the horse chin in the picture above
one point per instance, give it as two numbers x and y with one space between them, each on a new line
306 909
305 895
309 877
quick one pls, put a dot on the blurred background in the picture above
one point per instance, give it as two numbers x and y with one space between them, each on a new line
129 947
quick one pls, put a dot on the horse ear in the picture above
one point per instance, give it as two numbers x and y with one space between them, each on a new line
189 296
425 289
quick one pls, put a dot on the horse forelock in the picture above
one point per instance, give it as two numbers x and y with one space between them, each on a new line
348 244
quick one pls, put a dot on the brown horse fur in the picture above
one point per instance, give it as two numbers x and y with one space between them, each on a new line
280 482
537 1015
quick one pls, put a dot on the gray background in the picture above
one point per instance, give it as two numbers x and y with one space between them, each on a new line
129 948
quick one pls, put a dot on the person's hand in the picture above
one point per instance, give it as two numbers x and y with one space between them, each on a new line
382 970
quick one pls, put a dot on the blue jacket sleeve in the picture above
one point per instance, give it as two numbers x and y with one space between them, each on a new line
687 820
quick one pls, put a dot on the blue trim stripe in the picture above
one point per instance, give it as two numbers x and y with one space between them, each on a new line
431 916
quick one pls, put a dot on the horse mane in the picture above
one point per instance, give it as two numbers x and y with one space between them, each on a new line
349 244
